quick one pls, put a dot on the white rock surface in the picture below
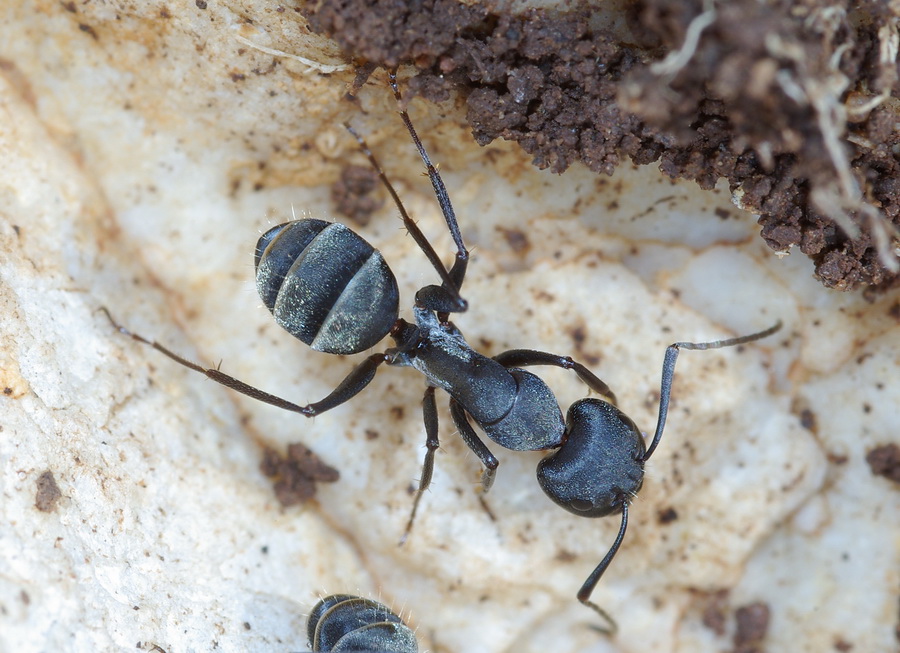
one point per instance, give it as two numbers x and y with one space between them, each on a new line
143 148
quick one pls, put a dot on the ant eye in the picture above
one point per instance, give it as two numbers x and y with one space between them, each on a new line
581 505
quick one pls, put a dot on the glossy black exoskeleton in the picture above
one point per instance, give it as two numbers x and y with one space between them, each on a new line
326 286
332 290
342 623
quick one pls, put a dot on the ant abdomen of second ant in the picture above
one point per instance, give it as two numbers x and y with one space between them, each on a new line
343 623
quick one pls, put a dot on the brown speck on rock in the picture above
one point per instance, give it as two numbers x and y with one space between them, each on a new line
564 555
808 421
752 626
578 336
897 627
714 614
667 516
894 311
516 239
836 458
486 508
48 492
885 461
87 29
352 193
296 474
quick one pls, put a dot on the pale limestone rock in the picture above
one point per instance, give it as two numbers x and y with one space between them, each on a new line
128 158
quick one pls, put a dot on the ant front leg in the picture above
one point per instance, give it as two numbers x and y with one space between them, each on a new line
525 357
351 386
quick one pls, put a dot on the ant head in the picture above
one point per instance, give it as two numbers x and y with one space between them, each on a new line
600 464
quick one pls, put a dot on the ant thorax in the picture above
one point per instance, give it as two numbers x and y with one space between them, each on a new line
440 352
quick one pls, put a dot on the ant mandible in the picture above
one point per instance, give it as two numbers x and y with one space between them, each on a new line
331 289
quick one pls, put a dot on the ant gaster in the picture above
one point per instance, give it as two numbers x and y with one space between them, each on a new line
331 289
343 622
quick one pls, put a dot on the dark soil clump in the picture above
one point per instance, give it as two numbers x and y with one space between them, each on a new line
793 103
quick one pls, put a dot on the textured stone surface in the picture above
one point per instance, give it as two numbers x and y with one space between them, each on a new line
144 148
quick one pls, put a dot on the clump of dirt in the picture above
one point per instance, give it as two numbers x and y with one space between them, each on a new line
788 102
296 474
793 103
885 461
48 492
353 194
752 626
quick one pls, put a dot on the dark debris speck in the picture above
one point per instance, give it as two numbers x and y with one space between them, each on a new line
48 492
296 474
885 461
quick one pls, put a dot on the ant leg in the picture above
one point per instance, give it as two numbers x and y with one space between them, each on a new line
449 297
429 412
668 372
584 594
523 357
352 385
475 444
458 271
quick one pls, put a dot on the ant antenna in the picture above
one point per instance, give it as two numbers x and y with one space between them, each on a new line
669 371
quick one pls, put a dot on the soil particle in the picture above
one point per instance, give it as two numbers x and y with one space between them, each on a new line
715 615
296 474
48 492
885 461
352 194
752 625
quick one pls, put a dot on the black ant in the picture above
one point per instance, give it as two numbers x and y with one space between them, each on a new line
343 622
331 289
